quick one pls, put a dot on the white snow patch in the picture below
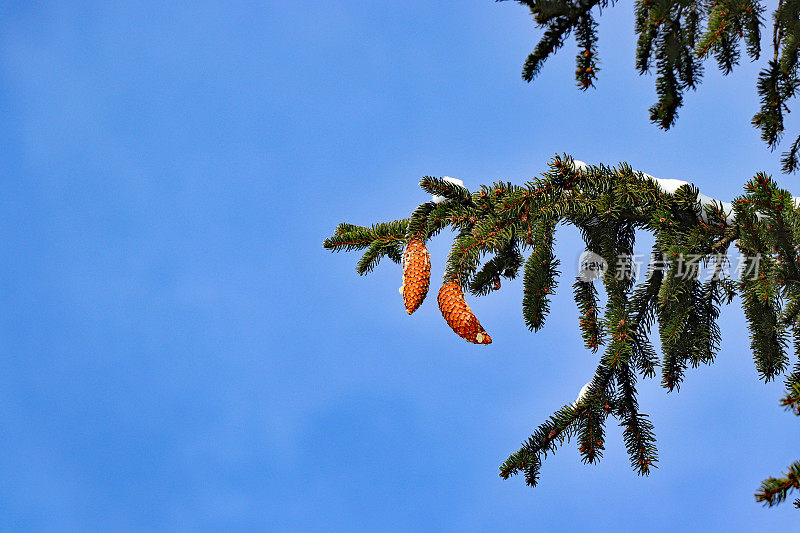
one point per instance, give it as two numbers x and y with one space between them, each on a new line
439 199
669 186
726 207
582 393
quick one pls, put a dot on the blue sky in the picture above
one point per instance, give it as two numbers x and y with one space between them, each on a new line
180 353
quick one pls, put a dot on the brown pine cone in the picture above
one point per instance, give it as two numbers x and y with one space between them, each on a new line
416 274
459 316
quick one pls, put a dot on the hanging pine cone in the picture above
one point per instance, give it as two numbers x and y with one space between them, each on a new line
459 316
416 274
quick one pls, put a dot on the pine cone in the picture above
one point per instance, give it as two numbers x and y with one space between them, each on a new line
416 274
459 316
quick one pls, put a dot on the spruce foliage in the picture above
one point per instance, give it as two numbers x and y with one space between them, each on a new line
496 226
675 38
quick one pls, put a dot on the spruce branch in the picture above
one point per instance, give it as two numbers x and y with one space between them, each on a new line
505 264
638 433
586 298
540 276
775 490
586 62
497 224
792 399
678 37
